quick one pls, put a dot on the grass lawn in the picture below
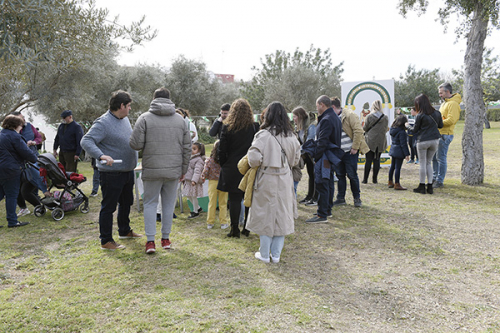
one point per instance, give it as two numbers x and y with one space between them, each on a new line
403 262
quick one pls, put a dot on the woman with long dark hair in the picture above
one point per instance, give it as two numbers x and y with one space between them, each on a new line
427 124
275 150
306 130
236 137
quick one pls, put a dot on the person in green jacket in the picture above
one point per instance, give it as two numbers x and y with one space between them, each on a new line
450 110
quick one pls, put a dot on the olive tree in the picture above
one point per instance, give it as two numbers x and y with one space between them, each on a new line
475 16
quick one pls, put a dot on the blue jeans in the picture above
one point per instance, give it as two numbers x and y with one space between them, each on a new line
9 188
271 244
395 169
348 166
116 188
326 190
439 162
95 181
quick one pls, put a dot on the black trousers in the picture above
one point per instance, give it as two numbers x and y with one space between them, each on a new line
235 199
372 157
27 193
312 193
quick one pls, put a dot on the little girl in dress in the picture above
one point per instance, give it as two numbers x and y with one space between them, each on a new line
193 183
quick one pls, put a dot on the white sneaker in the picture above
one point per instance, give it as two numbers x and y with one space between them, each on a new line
258 256
210 226
275 260
224 226
23 212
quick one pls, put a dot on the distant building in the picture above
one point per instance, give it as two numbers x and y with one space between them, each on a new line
225 78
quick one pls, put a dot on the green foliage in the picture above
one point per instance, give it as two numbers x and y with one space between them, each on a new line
191 86
60 31
490 77
292 78
415 82
51 49
463 9
204 137
492 114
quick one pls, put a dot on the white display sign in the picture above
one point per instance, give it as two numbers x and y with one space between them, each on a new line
359 96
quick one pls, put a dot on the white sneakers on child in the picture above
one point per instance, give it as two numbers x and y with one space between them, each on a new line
258 256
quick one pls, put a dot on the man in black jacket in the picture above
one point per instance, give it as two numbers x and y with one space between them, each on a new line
328 132
216 129
68 137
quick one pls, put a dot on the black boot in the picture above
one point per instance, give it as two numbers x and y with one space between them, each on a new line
375 175
365 176
429 189
235 231
420 188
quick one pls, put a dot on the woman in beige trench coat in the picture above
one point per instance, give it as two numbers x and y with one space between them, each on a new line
276 150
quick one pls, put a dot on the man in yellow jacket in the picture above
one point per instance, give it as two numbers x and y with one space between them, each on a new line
450 111
353 143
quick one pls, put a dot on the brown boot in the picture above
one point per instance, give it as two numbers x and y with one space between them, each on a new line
390 184
397 186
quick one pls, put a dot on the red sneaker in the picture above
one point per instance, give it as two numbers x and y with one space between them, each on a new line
165 243
150 247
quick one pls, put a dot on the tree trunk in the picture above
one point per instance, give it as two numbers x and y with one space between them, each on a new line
472 139
486 121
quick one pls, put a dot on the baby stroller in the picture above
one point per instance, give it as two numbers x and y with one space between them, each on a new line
70 198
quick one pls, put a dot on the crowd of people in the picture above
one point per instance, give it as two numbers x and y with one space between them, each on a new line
253 169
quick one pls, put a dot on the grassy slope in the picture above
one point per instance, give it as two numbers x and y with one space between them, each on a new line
402 262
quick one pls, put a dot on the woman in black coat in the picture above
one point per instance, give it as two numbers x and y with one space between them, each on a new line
13 153
236 137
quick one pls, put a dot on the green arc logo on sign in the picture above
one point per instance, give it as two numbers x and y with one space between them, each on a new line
379 89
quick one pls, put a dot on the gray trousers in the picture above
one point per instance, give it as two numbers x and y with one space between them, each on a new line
167 189
426 151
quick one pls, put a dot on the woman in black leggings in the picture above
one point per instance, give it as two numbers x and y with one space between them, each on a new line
376 125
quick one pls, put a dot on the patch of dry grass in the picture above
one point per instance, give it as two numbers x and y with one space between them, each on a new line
402 262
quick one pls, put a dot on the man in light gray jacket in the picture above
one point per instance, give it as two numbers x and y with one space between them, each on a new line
106 141
165 141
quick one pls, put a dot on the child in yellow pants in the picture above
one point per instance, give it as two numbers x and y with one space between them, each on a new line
211 172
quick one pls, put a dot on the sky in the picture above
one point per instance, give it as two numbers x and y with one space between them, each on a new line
231 36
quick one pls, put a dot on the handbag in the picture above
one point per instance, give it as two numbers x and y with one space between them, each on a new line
26 175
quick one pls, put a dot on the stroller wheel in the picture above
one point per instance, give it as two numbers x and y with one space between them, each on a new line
84 208
40 211
58 214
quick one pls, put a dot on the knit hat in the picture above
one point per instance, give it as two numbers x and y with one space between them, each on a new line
366 106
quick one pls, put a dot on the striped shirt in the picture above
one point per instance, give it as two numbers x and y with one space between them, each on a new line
345 140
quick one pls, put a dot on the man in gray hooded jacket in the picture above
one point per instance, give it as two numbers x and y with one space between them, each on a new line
165 141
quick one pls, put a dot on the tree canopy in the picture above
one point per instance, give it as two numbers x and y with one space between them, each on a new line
44 43
415 82
275 79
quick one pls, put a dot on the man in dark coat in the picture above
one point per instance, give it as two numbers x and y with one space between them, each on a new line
68 137
328 132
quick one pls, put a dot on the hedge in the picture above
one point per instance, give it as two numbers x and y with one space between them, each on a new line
493 114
